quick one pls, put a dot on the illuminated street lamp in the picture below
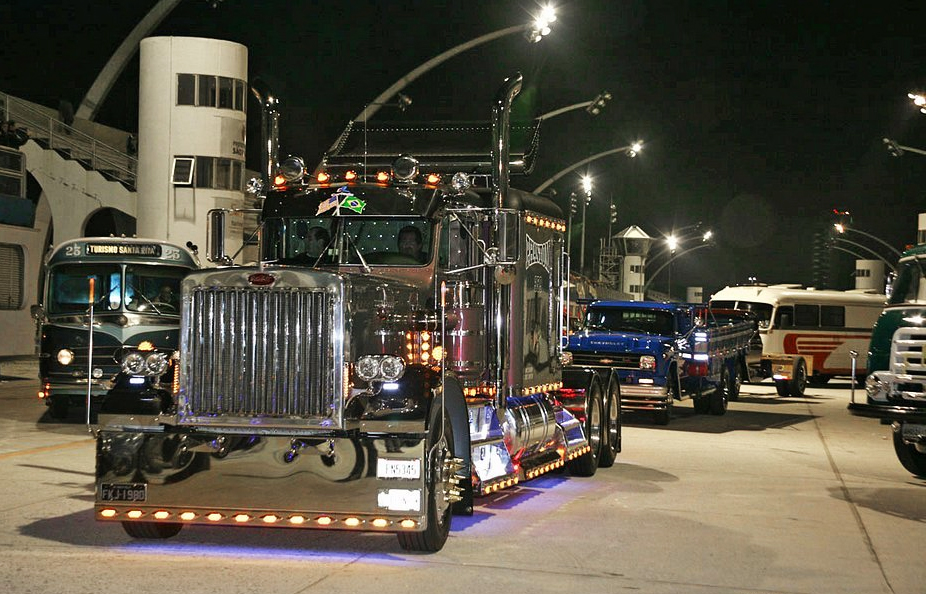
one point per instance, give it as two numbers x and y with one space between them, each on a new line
535 31
897 150
669 261
919 100
841 229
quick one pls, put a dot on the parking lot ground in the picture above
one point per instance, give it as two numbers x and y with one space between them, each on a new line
780 495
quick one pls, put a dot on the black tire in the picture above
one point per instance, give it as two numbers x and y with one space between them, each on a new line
151 530
798 379
438 474
720 396
912 460
612 443
702 404
59 407
662 417
782 387
736 383
587 463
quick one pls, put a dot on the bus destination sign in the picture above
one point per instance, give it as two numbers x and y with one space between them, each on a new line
124 249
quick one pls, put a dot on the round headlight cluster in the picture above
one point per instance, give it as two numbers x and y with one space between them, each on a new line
136 363
65 356
387 368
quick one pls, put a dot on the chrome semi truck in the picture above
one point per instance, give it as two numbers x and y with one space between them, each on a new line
395 353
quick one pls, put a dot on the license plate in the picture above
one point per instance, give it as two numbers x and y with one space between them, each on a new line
400 469
124 492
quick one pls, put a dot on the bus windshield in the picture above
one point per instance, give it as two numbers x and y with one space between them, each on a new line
146 288
763 311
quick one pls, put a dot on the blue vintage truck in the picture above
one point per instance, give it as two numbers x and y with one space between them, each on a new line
662 352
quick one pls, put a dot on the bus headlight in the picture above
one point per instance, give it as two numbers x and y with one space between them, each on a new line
157 363
65 356
133 364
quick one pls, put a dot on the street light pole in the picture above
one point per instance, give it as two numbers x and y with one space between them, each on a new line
631 150
593 107
587 187
535 30
840 228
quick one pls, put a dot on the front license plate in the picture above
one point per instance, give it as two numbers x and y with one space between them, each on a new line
124 492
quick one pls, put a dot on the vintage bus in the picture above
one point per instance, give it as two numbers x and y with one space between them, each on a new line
806 334
136 292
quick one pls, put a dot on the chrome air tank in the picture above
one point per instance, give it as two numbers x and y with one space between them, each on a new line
530 424
465 346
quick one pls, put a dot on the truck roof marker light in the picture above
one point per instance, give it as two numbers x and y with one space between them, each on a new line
279 181
350 175
187 516
382 177
161 514
322 177
214 517
135 514
108 512
433 179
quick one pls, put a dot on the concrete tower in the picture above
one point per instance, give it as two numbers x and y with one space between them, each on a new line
191 144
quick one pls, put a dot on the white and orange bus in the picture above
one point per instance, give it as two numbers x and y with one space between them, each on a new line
806 334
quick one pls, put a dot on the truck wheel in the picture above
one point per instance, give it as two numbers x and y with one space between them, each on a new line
798 379
151 529
612 444
718 398
909 457
736 382
663 417
439 474
782 387
702 404
59 407
595 433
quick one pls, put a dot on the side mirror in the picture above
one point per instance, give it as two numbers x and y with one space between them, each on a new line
216 233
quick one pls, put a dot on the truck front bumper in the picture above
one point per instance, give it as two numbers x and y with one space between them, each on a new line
893 397
643 397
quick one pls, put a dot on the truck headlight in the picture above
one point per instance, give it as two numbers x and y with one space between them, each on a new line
875 388
65 356
379 368
647 362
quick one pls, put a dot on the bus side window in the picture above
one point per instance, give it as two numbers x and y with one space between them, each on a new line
807 316
833 316
784 317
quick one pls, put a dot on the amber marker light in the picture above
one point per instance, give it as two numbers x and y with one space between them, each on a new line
135 514
350 176
380 522
352 522
324 521
407 523
108 513
270 519
433 179
187 516
279 180
214 517
297 520
322 177
382 177
161 514
242 518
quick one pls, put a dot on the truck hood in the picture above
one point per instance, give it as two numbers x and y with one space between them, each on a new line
616 342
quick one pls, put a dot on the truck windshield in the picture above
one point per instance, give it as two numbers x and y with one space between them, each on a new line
613 319
910 285
392 241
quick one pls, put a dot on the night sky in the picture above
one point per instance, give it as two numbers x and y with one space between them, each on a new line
759 118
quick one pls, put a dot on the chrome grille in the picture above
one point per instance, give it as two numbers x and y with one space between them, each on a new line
626 360
262 357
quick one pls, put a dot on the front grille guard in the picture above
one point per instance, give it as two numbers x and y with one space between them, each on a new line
263 360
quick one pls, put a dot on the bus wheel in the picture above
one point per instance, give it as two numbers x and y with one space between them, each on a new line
782 387
798 379
909 457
